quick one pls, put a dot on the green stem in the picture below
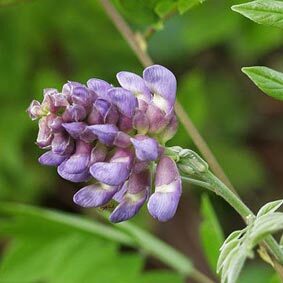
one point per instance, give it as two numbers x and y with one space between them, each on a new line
197 183
222 190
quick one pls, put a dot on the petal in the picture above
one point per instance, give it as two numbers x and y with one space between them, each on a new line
94 195
135 84
76 178
125 123
68 88
125 101
98 153
34 110
162 204
141 122
112 173
100 87
74 129
124 155
55 123
137 193
102 106
50 158
161 81
120 193
129 207
79 161
74 113
44 137
112 115
81 96
62 144
158 119
106 133
122 140
94 117
170 130
166 171
146 148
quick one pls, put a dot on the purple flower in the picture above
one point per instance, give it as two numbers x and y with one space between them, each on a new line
163 203
111 136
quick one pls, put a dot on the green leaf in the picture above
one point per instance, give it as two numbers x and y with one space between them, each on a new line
266 12
185 5
265 225
210 229
61 248
164 7
239 245
270 207
268 80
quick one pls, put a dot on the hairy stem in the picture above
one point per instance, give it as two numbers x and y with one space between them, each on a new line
145 59
197 183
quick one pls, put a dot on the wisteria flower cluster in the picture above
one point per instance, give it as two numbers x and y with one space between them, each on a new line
115 138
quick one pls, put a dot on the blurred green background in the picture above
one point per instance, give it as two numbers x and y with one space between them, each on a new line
44 43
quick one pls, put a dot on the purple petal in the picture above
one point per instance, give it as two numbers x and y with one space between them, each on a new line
34 110
113 173
166 171
140 122
79 161
106 133
98 153
94 116
112 115
100 87
135 84
125 123
68 88
102 106
137 193
161 82
62 144
123 155
94 195
120 193
158 119
76 178
122 140
140 166
125 101
49 158
74 113
74 129
162 204
55 123
81 96
129 207
44 137
170 130
146 148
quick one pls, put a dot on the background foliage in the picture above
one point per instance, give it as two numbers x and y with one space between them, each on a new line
43 43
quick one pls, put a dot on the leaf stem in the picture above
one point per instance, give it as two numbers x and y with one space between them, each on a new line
145 59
